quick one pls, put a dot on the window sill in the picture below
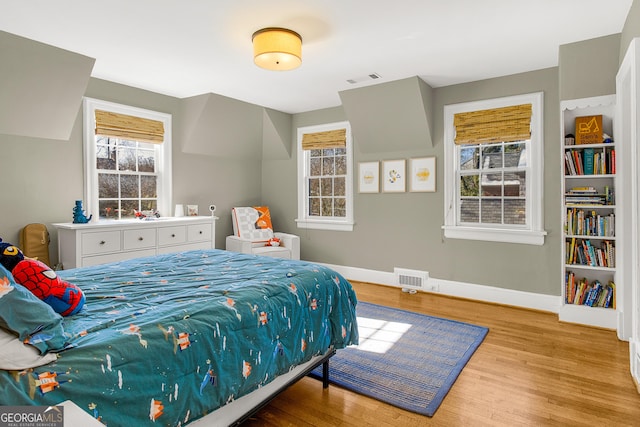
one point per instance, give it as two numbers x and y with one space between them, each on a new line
324 225
495 235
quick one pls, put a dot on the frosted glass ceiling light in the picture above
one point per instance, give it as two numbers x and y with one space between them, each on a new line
277 49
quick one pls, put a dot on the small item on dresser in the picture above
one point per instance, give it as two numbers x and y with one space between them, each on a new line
147 215
179 211
192 210
78 214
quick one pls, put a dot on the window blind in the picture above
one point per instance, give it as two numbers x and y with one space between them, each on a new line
505 124
129 127
322 140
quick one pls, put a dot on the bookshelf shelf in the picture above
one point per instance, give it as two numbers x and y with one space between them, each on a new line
589 176
589 274
583 236
588 267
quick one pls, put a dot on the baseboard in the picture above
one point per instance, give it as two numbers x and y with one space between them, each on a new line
472 291
634 357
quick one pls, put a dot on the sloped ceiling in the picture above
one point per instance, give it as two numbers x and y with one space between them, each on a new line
276 135
42 88
219 126
392 116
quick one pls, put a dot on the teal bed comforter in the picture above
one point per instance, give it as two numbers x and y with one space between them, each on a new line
168 339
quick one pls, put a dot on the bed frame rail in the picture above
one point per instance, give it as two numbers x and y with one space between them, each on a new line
324 361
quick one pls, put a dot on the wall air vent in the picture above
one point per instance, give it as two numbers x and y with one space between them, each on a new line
411 279
372 76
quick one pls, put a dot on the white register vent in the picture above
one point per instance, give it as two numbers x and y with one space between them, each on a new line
411 279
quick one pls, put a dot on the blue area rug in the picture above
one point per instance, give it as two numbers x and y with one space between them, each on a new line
406 359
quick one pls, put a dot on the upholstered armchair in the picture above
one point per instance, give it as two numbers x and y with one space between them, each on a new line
253 234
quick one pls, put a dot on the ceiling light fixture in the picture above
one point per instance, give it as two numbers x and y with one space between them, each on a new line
277 49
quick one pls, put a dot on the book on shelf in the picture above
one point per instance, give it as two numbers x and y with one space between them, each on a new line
591 294
588 196
590 161
587 158
612 161
584 252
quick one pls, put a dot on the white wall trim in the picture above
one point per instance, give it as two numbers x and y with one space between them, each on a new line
472 291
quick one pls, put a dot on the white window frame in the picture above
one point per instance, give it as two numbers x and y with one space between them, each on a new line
163 153
532 232
312 222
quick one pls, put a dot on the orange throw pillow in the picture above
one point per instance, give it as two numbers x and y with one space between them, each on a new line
264 217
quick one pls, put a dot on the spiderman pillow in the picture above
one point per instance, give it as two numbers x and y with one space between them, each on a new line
65 298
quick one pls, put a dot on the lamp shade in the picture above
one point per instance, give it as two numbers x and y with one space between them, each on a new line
277 49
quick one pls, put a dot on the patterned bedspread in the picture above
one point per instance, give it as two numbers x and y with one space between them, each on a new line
165 340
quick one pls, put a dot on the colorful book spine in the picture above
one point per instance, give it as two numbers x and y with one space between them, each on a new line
587 158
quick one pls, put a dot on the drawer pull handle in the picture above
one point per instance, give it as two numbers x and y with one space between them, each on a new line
102 242
200 231
173 235
141 238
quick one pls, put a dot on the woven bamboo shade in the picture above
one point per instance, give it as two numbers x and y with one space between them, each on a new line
129 127
328 139
505 124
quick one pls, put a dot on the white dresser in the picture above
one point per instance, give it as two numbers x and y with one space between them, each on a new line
81 245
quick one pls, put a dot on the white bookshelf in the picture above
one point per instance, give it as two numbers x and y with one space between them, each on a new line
603 183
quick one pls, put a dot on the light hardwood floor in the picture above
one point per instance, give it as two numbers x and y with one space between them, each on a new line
531 370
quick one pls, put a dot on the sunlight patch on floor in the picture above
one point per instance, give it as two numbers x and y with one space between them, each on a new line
378 336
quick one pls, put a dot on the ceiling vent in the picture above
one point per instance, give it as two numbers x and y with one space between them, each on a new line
372 76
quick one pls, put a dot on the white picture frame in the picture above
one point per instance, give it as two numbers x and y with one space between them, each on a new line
422 172
192 210
394 176
369 177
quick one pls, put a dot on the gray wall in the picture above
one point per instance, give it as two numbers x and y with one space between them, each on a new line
43 177
631 28
404 229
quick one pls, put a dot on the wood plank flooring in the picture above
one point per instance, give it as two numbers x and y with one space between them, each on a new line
531 370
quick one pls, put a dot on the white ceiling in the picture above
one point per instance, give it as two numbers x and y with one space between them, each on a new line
192 47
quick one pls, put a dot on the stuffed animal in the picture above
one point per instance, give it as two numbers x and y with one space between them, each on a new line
64 297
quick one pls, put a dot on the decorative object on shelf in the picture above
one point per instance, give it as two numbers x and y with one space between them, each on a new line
423 174
277 49
79 216
179 211
589 129
369 177
393 176
148 214
192 210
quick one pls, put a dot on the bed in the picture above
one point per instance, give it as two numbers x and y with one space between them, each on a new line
169 339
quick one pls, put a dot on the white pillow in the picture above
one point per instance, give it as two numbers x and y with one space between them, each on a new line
16 355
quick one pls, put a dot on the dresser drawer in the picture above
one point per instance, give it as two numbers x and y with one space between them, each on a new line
100 242
172 235
139 238
198 232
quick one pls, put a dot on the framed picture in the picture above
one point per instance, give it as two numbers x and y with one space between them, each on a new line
369 177
423 174
393 176
192 210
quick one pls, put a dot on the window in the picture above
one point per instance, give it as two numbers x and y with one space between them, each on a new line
494 170
325 189
127 160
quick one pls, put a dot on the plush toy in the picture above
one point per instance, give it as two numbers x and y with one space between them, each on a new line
64 297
